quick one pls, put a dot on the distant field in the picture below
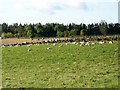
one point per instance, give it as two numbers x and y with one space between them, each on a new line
15 40
68 66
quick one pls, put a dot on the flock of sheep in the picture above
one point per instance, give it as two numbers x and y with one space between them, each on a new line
55 42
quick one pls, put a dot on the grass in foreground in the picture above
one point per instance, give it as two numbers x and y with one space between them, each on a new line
69 66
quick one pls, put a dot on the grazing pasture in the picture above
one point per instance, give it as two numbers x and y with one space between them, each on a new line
61 66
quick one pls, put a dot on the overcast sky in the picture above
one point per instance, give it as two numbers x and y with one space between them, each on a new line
60 11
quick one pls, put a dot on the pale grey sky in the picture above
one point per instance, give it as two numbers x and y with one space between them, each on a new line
61 11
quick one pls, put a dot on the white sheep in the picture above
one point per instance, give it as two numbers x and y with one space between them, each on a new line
77 43
82 43
110 42
29 49
10 46
54 44
56 40
25 42
17 45
92 43
101 42
87 43
49 48
29 45
47 43
74 43
66 43
3 46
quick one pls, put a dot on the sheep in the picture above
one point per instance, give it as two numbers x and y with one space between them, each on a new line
87 43
10 45
92 43
17 45
37 44
110 42
47 44
29 49
25 42
74 43
54 44
66 43
49 48
101 42
82 43
3 46
56 40
29 45
77 43
49 41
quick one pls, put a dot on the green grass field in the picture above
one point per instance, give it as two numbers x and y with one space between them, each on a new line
69 66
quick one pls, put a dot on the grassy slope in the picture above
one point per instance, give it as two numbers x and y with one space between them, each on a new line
68 66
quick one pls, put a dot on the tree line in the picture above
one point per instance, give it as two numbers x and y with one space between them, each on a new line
59 30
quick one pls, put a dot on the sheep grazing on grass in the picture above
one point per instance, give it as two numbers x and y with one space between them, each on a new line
66 43
29 49
87 44
29 45
54 44
101 42
25 42
82 43
47 43
49 48
92 43
37 44
18 45
74 43
10 45
56 40
77 43
3 46
110 42
61 45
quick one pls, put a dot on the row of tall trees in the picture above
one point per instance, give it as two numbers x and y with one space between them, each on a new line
59 30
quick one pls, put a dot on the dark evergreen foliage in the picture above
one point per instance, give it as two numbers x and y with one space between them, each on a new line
59 30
